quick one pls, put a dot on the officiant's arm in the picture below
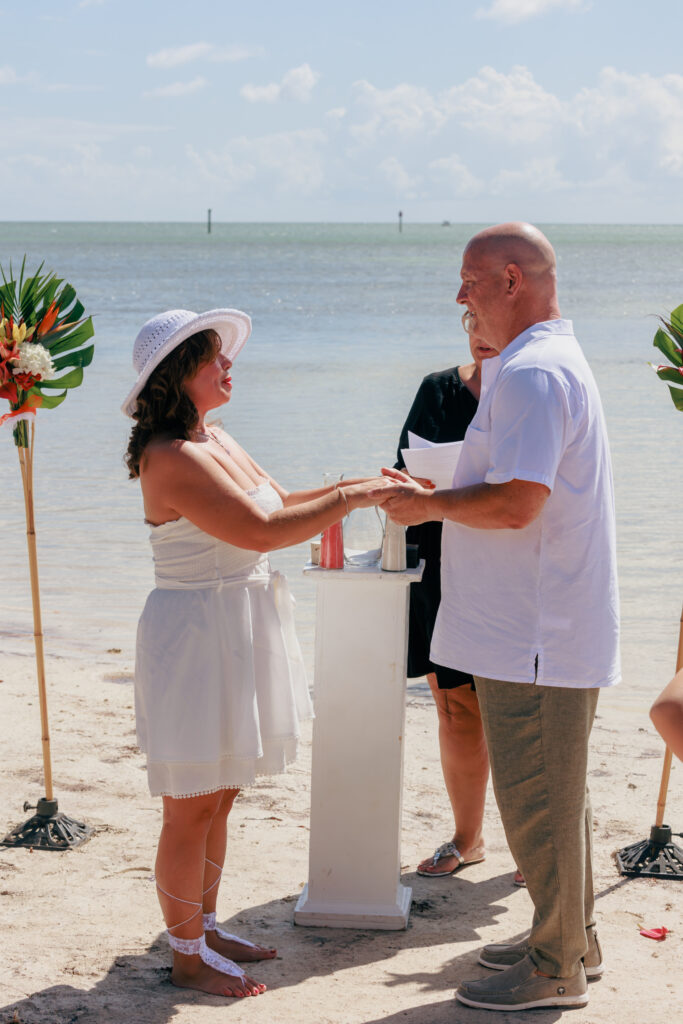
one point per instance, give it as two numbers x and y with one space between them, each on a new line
508 506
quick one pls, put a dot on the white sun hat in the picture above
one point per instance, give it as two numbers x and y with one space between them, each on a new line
164 332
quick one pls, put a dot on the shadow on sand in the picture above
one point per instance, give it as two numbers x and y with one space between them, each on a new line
137 987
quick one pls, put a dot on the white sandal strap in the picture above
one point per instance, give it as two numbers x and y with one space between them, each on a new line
216 880
188 947
235 938
209 921
178 899
192 947
218 877
220 963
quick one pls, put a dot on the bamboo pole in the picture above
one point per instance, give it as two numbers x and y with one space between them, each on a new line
666 769
26 463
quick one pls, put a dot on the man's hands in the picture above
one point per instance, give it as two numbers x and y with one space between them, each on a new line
404 499
509 506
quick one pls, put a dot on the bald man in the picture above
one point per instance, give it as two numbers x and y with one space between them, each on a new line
529 601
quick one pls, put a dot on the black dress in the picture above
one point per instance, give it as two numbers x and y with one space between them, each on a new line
442 410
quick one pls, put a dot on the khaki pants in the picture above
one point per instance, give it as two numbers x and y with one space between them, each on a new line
538 745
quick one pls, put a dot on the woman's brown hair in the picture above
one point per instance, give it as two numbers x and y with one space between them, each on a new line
163 407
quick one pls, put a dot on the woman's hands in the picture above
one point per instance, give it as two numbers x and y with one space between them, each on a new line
364 493
403 498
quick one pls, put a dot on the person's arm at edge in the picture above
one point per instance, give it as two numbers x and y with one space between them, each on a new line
667 714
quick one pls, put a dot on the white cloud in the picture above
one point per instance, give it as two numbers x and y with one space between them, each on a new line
404 110
8 75
261 93
297 84
613 148
70 87
398 177
337 114
64 134
500 134
231 171
534 176
290 161
513 107
513 11
453 172
637 118
176 56
89 152
83 161
173 58
232 54
176 89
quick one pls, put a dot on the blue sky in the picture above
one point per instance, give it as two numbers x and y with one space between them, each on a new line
546 110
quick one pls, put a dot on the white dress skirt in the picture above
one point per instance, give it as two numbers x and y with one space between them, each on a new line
220 684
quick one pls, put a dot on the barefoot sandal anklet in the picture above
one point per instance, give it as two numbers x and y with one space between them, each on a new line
194 947
209 920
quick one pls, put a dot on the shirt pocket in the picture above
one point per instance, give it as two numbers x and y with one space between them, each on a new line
475 458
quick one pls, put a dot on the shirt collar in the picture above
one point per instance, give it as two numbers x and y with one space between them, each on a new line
490 368
531 334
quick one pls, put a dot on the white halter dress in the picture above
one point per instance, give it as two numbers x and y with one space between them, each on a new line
220 684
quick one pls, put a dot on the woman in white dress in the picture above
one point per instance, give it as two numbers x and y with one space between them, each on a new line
219 682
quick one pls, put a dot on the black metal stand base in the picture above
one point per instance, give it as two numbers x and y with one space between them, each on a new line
48 829
656 857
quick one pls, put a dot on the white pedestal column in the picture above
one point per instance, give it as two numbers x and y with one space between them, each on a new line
360 685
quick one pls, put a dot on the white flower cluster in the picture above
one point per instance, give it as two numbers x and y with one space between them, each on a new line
35 359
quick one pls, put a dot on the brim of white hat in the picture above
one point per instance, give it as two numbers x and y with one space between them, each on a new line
232 326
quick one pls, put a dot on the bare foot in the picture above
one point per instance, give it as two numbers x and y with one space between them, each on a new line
205 979
449 865
234 949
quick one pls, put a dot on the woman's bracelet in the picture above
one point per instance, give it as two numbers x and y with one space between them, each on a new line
341 491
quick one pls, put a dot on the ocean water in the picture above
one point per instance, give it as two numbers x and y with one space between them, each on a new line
347 319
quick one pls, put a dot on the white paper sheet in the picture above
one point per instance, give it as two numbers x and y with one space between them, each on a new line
435 462
415 441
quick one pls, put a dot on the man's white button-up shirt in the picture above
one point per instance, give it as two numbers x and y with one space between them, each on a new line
538 604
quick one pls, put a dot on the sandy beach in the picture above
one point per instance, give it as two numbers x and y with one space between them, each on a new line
83 935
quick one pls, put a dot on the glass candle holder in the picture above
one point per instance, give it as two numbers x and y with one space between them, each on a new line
363 537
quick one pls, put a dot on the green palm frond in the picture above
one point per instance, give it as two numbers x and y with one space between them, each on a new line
669 341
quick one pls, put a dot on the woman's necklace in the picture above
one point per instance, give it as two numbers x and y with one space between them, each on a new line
210 436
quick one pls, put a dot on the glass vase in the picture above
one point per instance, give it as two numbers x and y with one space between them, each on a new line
363 537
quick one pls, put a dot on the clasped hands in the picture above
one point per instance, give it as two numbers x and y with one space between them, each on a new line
404 498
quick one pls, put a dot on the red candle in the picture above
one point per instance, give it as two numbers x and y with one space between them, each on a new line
332 547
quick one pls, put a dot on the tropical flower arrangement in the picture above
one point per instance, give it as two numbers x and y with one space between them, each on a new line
42 331
669 341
